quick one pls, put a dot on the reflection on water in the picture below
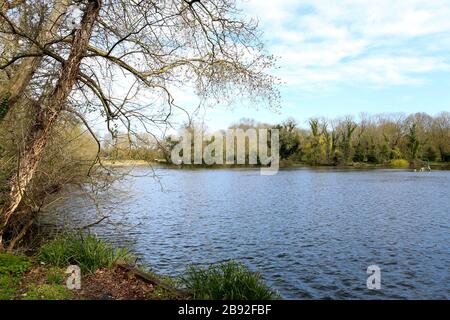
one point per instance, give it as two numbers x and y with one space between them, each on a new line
311 233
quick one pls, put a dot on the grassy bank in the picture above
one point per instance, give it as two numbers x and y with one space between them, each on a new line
111 273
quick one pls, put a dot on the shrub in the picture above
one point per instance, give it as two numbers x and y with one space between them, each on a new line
226 281
88 252
396 154
430 154
445 157
400 163
11 264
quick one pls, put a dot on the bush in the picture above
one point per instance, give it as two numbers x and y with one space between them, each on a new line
14 265
400 163
430 154
396 154
445 157
89 253
226 281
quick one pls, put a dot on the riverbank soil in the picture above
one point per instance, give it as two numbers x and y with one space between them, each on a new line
22 279
116 284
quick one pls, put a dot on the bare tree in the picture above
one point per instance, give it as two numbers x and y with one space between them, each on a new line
54 63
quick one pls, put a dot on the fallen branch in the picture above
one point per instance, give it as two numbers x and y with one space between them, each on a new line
152 280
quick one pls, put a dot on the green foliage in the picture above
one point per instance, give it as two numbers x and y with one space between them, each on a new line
430 154
289 142
8 287
413 143
385 153
57 252
55 276
359 155
400 163
47 292
373 139
14 265
346 142
226 281
314 154
88 252
396 154
372 156
445 157
11 267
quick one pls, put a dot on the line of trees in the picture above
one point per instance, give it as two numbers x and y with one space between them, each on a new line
375 139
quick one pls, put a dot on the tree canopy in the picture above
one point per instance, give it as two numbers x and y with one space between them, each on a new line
120 60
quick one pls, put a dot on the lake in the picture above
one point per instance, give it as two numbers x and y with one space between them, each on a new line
310 233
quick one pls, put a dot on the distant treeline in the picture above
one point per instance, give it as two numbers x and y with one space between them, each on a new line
377 139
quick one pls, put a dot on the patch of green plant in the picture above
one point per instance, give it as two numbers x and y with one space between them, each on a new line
55 276
56 252
47 292
14 264
88 252
400 163
8 287
226 281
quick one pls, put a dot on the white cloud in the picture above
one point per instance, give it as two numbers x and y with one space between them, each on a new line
326 42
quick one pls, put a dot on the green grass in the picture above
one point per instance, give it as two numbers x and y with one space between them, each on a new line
47 292
226 281
8 287
11 268
88 252
55 276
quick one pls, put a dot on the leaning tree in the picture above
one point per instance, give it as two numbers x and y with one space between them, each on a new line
120 59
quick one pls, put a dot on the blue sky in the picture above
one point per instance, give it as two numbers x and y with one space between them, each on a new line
351 56
339 58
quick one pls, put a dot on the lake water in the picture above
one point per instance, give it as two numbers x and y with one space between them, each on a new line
310 233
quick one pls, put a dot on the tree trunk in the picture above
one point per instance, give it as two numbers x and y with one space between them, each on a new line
8 5
15 87
48 114
12 244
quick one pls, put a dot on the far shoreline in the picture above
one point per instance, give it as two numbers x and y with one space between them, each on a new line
440 166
